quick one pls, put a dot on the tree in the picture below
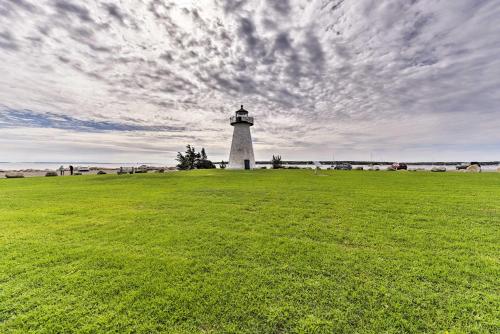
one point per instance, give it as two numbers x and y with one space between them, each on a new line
188 160
276 162
191 159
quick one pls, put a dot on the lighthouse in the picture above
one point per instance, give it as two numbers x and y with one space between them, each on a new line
241 156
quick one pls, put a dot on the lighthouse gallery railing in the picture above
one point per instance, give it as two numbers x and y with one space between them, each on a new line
237 119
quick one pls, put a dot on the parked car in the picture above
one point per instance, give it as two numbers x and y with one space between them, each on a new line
344 166
142 169
399 166
462 166
82 169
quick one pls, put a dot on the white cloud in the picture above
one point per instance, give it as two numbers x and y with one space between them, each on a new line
411 79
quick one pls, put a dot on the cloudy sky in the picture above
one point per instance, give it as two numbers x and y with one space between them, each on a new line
137 80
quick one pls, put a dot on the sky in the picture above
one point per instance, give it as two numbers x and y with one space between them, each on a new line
137 80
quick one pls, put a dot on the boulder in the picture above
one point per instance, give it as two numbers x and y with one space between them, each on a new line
391 169
77 173
101 172
473 169
438 169
51 173
14 175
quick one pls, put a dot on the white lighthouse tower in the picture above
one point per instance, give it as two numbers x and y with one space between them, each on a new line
241 156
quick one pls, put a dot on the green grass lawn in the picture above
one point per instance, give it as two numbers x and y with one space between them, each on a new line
251 252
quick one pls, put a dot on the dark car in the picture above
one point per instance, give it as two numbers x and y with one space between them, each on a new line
345 166
462 166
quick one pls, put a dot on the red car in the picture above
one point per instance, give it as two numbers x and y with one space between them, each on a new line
399 166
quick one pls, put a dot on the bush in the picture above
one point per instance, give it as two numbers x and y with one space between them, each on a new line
204 164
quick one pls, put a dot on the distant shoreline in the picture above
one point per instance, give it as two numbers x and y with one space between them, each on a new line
368 163
31 172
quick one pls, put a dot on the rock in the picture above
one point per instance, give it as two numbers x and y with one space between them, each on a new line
51 173
77 173
438 169
14 175
358 168
391 169
101 172
473 169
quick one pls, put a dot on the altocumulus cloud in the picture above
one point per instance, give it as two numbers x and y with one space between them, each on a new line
28 118
403 80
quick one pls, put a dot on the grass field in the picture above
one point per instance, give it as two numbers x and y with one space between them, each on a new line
251 252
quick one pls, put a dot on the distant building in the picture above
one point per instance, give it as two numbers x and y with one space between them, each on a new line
241 156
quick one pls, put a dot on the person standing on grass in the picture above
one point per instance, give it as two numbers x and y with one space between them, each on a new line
61 170
71 169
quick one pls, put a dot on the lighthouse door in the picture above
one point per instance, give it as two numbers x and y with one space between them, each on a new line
247 164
